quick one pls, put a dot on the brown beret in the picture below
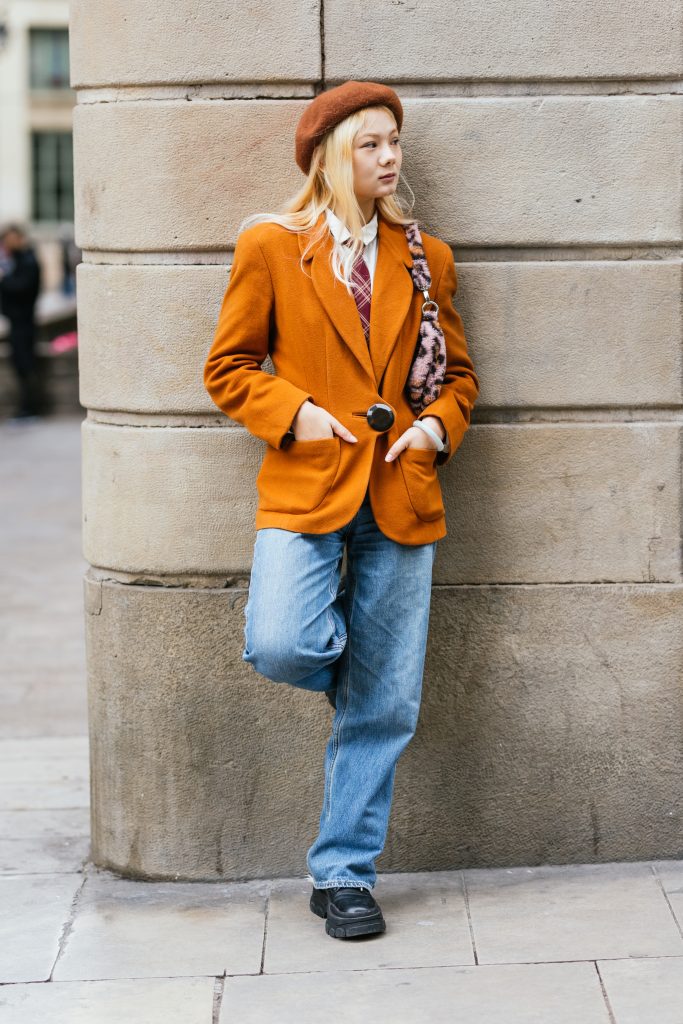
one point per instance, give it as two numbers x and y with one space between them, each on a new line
332 106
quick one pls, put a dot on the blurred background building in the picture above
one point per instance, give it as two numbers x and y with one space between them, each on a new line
36 185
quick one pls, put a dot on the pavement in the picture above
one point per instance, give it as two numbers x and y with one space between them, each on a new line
548 944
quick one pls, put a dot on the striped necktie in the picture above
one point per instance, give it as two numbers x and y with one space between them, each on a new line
361 287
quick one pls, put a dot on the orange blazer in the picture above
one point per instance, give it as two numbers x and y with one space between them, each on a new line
309 325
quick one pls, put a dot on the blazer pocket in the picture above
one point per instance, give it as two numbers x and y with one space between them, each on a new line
418 466
297 478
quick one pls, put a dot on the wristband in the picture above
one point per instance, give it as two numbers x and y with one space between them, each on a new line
431 433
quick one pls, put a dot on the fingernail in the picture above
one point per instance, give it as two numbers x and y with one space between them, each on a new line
388 458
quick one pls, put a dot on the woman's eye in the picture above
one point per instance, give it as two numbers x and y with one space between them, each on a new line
366 144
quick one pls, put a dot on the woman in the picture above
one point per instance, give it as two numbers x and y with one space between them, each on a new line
326 289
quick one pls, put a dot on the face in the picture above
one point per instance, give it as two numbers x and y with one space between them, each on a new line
12 240
376 158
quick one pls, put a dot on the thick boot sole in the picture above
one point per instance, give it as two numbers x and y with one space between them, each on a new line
342 928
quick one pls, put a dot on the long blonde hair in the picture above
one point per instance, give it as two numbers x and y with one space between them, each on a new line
330 184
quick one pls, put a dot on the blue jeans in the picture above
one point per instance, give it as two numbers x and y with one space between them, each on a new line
367 639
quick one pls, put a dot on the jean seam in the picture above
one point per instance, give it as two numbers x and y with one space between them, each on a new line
338 643
339 717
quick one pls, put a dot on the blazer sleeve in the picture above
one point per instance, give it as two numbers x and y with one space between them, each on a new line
233 376
461 385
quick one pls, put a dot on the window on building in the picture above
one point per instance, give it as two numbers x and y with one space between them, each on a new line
53 177
49 60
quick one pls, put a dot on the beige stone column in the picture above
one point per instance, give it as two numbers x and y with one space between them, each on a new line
543 142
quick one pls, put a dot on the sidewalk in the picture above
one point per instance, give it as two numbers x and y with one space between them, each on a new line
577 944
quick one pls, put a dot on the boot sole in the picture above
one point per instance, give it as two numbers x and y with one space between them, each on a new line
341 929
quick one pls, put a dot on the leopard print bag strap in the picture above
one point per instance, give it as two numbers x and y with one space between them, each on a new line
428 368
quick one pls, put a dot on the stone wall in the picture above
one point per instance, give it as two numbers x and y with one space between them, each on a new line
543 142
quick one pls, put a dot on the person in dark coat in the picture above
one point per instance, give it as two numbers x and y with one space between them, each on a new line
20 280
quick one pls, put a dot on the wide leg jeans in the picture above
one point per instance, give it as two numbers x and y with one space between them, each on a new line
366 637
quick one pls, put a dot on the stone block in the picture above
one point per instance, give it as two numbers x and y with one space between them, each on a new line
535 697
147 356
179 176
203 42
563 502
169 498
525 503
530 41
564 333
574 333
564 170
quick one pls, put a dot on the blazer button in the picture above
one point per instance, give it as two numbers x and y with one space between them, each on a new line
380 416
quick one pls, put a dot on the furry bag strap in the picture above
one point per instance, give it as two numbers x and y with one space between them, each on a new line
429 360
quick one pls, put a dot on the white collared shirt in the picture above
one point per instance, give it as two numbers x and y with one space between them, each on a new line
368 235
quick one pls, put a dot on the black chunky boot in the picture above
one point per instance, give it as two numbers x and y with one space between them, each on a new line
349 911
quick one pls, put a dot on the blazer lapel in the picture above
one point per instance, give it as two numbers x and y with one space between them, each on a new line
392 291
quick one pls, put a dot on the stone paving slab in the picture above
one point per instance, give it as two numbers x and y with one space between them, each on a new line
426 927
43 770
570 912
53 703
48 823
507 994
675 898
34 912
152 1001
18 796
44 805
33 641
40 749
130 929
37 774
41 590
48 855
670 873
644 991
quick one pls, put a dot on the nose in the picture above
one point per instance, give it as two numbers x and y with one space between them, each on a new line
388 156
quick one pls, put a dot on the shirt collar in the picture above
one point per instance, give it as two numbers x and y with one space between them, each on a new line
341 232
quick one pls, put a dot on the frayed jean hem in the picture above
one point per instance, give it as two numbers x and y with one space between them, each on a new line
336 883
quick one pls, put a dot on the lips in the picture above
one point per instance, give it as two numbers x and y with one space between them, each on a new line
385 177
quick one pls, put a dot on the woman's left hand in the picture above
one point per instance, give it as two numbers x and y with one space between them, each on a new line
413 437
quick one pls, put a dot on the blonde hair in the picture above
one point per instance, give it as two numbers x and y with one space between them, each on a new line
330 183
